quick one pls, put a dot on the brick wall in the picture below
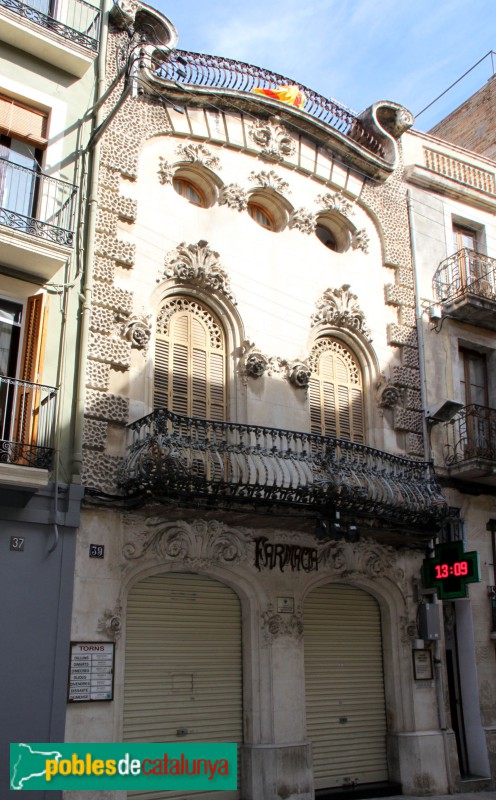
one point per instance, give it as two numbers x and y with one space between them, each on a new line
473 124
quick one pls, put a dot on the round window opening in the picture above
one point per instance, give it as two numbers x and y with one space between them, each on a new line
326 236
261 216
189 191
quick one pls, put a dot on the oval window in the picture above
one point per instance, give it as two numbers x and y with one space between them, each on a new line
261 216
189 191
325 236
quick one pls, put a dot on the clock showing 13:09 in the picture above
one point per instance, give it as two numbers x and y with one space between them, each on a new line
450 570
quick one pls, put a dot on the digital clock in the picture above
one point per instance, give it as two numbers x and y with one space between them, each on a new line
450 570
458 568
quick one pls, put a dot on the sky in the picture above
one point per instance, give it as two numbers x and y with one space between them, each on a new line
354 51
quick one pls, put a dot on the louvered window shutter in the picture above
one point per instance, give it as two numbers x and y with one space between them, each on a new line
23 123
190 361
336 394
33 351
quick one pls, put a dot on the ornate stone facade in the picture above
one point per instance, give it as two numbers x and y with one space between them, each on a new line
339 307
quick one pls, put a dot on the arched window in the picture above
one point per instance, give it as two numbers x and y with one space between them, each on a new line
336 391
190 360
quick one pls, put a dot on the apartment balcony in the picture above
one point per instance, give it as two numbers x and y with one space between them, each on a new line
27 432
465 284
36 219
227 465
470 445
64 34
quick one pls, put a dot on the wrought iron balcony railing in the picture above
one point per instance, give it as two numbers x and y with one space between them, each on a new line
465 272
174 456
74 20
471 435
36 203
198 69
27 423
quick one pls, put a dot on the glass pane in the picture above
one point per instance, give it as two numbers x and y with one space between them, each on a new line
17 178
39 5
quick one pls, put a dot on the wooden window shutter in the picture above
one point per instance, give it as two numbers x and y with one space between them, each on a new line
22 122
336 394
190 362
33 352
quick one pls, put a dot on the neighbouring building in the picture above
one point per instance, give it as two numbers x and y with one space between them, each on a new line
48 84
258 493
453 206
473 123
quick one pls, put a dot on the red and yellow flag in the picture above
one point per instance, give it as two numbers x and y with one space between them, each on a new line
286 94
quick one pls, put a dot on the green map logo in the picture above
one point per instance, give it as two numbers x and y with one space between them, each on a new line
194 766
27 763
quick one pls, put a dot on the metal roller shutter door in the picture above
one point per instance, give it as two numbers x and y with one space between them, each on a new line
183 665
346 720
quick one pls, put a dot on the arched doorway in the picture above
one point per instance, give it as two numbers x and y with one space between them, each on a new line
344 682
183 679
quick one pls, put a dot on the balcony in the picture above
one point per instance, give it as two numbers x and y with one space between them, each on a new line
216 72
63 34
470 445
27 432
465 283
229 465
39 211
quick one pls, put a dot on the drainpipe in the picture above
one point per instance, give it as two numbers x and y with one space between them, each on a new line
438 663
88 256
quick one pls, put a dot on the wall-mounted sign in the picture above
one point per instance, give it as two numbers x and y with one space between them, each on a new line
294 556
97 550
451 570
17 543
91 671
422 665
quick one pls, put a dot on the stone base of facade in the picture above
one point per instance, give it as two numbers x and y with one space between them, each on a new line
277 771
435 751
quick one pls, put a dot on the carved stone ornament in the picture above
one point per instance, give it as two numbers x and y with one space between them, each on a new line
298 373
110 623
274 140
137 330
339 307
388 394
305 221
199 154
336 202
197 543
270 180
276 625
123 13
197 264
253 362
234 196
366 558
165 171
360 240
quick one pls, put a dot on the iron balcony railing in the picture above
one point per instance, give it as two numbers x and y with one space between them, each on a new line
465 272
74 20
471 435
36 203
27 423
174 456
197 69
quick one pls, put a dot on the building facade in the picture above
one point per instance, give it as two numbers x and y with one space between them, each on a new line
258 491
452 203
48 85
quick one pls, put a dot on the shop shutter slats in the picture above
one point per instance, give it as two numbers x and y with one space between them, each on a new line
183 666
24 123
344 686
